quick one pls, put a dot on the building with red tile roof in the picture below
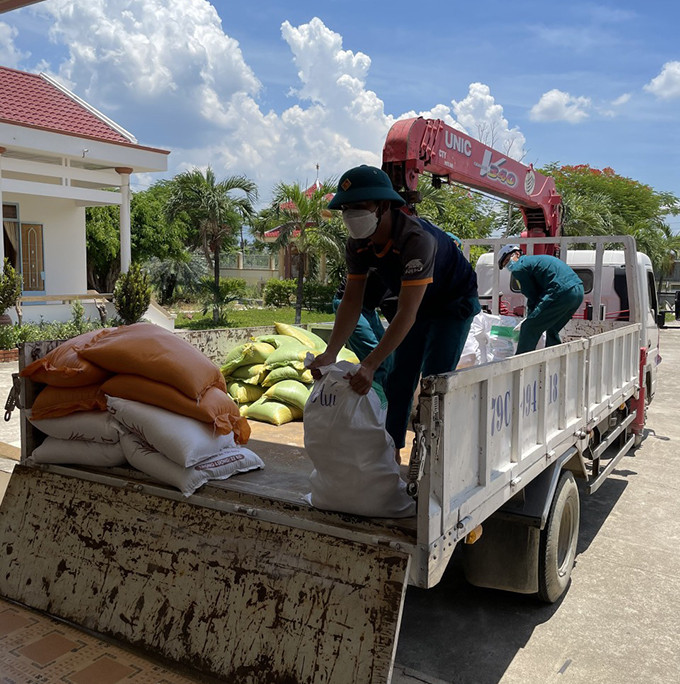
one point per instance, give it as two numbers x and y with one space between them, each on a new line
58 155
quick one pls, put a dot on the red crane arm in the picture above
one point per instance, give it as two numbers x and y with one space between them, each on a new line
415 146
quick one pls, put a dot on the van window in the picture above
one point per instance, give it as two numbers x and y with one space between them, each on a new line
585 274
651 289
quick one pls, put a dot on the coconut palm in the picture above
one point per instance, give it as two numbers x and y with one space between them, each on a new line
214 209
302 217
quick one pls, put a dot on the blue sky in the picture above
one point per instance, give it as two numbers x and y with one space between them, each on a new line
270 88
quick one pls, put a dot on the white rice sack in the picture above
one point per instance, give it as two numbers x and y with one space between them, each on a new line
86 426
227 462
353 455
78 452
481 325
471 350
183 440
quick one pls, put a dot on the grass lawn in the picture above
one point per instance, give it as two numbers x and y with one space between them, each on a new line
247 318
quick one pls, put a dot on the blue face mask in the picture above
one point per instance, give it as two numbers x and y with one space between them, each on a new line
511 264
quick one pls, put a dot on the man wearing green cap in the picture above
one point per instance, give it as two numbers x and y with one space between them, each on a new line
436 285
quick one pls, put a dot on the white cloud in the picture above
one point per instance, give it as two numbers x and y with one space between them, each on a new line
171 74
482 117
667 84
621 100
10 56
335 79
168 61
556 105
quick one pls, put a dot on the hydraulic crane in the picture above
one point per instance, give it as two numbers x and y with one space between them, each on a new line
416 146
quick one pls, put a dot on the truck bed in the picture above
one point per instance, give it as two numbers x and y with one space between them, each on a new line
275 493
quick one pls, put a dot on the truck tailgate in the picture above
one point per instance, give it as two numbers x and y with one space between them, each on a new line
216 588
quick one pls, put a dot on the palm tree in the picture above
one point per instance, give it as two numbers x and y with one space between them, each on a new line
303 218
213 211
589 215
181 274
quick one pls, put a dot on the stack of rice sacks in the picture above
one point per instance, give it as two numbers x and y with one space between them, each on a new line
141 395
267 377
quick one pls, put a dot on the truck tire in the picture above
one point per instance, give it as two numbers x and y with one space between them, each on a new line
558 542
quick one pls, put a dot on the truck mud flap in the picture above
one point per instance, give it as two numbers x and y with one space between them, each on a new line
231 596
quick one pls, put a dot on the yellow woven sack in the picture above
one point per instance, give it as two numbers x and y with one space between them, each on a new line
273 412
309 339
243 393
244 355
290 392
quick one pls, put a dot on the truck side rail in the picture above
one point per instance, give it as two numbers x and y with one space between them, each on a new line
613 374
491 429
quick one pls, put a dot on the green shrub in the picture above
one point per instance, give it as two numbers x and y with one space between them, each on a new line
8 336
318 297
229 290
132 294
279 292
10 286
12 336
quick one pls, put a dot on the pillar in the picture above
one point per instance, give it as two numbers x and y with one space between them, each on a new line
125 239
2 227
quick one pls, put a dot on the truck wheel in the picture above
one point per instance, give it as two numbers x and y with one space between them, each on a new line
557 549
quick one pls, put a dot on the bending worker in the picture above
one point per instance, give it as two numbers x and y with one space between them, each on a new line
553 290
435 284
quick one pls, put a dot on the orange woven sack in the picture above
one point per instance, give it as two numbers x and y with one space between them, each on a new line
155 353
54 402
216 407
62 367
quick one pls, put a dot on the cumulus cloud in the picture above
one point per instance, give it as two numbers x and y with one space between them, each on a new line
667 84
168 61
556 105
10 56
482 117
171 74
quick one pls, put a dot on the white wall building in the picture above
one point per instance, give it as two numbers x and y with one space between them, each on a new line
59 155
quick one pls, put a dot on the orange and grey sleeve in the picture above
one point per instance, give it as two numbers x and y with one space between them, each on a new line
420 281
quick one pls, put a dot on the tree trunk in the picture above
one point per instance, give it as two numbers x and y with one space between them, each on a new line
216 263
300 288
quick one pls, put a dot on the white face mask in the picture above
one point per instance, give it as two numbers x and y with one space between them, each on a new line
360 223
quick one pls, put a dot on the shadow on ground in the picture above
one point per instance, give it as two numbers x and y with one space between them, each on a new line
467 635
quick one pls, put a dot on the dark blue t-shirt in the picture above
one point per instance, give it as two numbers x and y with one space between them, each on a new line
418 253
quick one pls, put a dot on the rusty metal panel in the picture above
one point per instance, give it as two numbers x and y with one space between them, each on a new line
229 595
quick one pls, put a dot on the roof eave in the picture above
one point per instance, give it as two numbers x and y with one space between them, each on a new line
35 139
